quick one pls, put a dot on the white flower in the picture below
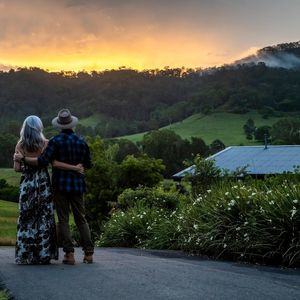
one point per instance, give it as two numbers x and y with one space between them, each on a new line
246 223
231 203
293 211
295 201
196 226
227 193
235 186
237 197
209 191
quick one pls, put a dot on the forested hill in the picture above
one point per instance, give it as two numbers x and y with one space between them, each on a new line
129 101
285 55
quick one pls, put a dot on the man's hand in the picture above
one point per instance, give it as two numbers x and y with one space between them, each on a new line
18 156
80 169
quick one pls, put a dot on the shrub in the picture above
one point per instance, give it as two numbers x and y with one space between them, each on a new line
8 192
254 221
130 228
149 197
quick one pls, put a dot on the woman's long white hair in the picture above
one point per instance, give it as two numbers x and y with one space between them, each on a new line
31 134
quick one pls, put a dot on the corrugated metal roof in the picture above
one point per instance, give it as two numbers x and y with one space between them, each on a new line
259 161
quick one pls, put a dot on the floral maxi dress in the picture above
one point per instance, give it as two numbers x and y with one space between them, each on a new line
36 236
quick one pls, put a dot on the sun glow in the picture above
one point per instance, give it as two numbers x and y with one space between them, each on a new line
145 53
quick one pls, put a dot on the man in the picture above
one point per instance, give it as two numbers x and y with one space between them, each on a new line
68 186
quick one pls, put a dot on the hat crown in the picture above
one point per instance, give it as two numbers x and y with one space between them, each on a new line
64 120
64 117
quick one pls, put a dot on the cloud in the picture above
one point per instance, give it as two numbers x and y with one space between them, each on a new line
140 33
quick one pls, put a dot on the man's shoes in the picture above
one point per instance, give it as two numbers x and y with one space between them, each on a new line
88 258
69 258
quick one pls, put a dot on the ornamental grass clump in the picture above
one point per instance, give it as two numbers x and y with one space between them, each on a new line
130 228
242 221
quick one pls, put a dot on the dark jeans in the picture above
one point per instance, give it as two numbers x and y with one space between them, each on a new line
63 202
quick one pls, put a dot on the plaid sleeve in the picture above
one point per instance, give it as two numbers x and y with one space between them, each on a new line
48 155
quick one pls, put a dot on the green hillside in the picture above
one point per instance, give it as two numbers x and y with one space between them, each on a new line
228 127
91 121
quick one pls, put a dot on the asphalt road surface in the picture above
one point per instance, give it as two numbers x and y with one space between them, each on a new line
139 274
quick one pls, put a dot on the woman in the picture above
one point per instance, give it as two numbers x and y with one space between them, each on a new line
36 238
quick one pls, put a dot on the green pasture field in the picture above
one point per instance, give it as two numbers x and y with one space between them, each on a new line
227 127
8 222
11 177
91 121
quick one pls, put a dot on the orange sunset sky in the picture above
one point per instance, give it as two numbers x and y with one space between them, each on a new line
104 34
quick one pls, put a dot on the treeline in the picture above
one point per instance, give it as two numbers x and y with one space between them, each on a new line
129 101
165 144
283 132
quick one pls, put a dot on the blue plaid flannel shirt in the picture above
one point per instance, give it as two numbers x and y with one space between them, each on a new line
69 148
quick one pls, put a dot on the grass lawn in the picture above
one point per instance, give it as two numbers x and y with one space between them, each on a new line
227 127
8 222
8 225
9 174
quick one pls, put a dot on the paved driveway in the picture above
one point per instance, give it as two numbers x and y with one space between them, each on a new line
137 274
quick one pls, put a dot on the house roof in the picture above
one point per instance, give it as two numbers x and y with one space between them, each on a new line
258 159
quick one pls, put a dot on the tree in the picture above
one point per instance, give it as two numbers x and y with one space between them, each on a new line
249 129
216 146
140 171
286 131
261 132
7 149
168 146
126 147
198 146
102 183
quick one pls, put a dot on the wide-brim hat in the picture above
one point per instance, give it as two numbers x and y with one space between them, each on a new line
64 120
